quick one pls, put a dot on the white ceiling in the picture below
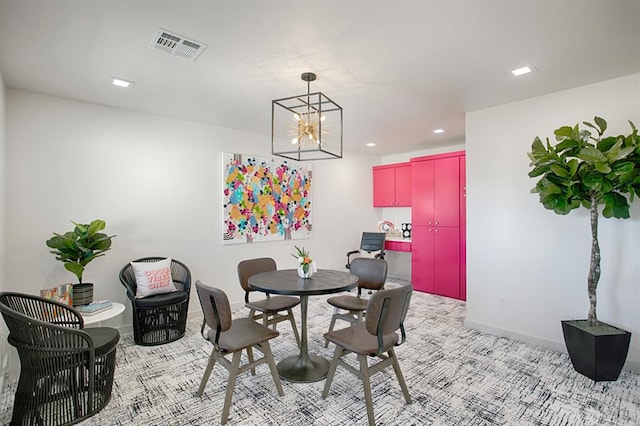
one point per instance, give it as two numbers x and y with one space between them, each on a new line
399 68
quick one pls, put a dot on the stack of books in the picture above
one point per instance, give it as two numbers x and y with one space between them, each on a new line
94 308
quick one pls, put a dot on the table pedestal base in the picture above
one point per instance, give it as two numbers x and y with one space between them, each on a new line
298 369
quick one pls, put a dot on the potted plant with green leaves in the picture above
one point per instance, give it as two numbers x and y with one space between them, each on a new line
76 249
587 170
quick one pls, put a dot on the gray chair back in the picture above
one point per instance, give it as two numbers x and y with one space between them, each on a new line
215 307
386 312
372 273
248 268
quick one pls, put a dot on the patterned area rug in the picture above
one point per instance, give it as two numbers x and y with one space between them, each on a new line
455 376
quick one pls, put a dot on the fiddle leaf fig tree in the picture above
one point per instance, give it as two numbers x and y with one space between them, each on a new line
586 169
79 247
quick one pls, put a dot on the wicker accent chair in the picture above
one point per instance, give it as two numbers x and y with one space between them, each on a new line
371 242
386 312
372 274
66 371
230 337
161 318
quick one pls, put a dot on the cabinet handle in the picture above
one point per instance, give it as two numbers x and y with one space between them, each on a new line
436 230
437 223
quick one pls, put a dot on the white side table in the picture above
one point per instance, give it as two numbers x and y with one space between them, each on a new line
115 310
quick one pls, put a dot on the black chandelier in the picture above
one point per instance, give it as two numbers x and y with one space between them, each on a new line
306 127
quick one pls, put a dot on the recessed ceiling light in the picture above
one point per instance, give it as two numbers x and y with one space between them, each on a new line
438 131
521 71
120 82
370 144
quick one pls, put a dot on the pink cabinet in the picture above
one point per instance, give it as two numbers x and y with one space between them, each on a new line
436 192
392 185
438 224
397 245
435 260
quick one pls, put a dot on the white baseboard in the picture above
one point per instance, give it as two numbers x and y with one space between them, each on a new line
630 365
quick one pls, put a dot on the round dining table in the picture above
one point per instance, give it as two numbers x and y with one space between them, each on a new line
303 367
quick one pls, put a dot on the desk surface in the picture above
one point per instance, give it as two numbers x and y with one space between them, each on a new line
115 310
286 281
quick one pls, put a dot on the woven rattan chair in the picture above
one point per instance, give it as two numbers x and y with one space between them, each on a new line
386 312
371 244
372 274
161 318
231 337
66 371
269 309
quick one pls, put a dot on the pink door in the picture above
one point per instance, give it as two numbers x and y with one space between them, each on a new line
447 191
403 186
422 272
422 196
383 187
447 261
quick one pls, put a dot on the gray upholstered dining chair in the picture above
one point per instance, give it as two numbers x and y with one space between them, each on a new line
230 337
372 274
268 309
386 312
66 370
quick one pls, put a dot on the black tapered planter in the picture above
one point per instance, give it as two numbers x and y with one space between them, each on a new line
82 294
597 352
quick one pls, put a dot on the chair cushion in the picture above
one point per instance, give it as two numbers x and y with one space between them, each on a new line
350 303
371 255
243 333
274 304
104 338
153 277
162 299
357 339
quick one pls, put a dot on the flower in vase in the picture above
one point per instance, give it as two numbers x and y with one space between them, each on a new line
303 258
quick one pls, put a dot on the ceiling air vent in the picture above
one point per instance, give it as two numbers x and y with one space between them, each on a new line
177 45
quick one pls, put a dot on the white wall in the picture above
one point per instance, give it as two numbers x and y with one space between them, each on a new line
532 258
4 346
156 181
3 153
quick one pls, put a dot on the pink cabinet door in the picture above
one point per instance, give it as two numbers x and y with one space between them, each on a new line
422 258
422 196
403 186
447 191
447 261
383 187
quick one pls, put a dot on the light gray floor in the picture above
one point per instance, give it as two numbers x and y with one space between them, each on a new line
455 376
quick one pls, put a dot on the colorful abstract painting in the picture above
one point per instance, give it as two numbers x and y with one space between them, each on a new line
265 199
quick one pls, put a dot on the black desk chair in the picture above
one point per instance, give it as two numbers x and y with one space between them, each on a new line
66 371
371 245
160 318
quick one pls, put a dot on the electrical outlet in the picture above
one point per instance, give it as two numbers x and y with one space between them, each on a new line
502 302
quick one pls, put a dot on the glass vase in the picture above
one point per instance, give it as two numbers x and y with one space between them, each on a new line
303 274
